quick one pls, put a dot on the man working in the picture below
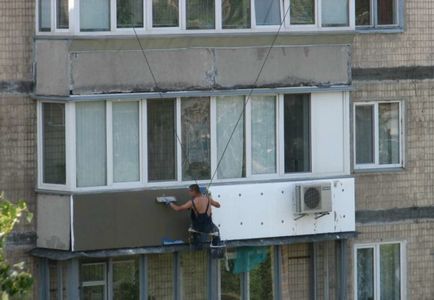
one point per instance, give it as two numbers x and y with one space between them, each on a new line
201 212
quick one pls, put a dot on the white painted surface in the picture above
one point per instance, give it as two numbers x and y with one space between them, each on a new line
266 210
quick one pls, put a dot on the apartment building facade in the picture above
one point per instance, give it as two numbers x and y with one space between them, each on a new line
310 124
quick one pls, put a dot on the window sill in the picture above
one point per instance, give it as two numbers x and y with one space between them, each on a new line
383 170
379 30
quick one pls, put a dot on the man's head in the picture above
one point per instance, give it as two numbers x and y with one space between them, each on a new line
194 190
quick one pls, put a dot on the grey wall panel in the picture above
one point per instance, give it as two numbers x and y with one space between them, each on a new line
52 67
53 222
127 219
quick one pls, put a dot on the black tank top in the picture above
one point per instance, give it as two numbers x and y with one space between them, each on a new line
201 221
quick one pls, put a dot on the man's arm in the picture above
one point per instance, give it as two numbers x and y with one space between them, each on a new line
184 206
214 203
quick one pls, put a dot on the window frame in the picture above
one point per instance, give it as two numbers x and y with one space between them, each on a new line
374 26
376 164
103 283
148 29
70 132
376 261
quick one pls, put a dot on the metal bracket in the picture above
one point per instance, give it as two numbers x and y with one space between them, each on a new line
320 215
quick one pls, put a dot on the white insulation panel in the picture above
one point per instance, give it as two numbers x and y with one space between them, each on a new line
267 210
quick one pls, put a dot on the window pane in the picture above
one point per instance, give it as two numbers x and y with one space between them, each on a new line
335 13
195 123
389 133
386 12
92 272
364 134
267 12
161 140
53 115
363 12
365 274
126 280
390 272
93 293
302 12
126 166
297 133
160 276
236 14
261 280
44 15
95 15
232 163
165 13
62 14
200 14
129 13
91 144
263 134
194 275
230 283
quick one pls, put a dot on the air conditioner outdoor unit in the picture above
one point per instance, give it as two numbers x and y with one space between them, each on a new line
313 198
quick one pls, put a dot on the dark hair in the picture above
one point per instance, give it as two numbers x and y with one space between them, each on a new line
194 188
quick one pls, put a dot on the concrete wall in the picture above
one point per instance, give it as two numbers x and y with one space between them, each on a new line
93 67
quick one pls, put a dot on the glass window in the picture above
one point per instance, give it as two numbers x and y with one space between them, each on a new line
263 134
93 281
195 123
261 279
267 12
53 136
161 140
363 12
230 283
236 14
91 143
129 13
62 14
302 12
230 151
194 275
365 134
126 158
386 12
389 137
161 276
390 272
126 284
297 133
200 14
365 274
95 15
165 13
44 15
335 13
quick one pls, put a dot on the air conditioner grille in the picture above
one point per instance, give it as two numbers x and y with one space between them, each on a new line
312 198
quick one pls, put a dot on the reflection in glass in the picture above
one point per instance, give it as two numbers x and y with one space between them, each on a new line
165 13
364 134
390 272
95 15
363 12
44 15
200 14
195 124
386 12
365 274
335 13
263 134
261 280
267 12
302 12
161 140
126 280
236 14
129 13
62 14
389 137
229 110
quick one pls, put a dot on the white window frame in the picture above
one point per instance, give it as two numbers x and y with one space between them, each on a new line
376 252
376 164
148 29
70 132
374 17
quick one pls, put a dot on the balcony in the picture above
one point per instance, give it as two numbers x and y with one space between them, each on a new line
114 220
